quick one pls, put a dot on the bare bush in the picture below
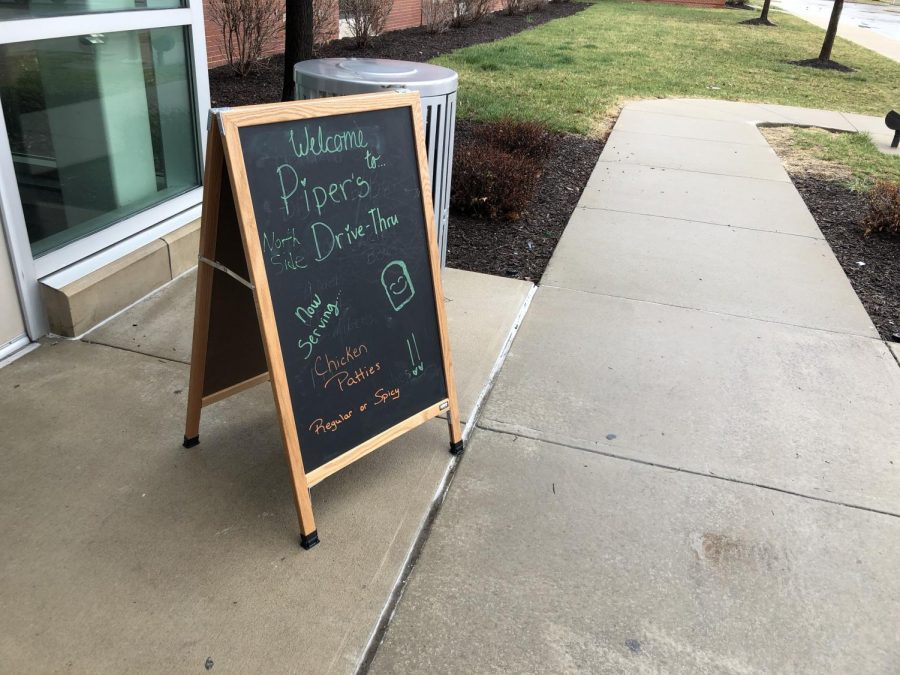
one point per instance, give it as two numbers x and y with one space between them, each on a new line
516 6
525 6
325 20
366 18
470 11
491 183
527 139
495 172
246 26
883 215
437 15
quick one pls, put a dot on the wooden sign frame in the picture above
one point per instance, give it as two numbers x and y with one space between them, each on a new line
219 284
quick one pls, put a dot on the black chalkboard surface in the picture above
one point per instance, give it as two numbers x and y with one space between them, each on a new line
341 226
325 206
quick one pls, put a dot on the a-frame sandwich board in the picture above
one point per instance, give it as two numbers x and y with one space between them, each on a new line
236 341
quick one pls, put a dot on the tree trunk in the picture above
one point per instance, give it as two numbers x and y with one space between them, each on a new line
825 54
298 40
764 17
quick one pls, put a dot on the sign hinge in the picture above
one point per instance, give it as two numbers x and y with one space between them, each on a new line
219 266
214 113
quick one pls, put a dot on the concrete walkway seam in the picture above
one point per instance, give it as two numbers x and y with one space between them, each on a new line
706 173
125 349
390 606
125 309
875 338
498 428
704 222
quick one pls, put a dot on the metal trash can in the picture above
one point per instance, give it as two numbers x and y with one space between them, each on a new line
437 88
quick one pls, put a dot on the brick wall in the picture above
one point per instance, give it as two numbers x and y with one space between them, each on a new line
404 14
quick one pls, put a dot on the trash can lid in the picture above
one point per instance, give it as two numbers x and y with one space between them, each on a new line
355 76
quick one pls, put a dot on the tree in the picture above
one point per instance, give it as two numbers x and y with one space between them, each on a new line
764 17
298 40
831 32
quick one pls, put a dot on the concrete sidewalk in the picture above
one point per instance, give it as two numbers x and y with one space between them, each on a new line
125 553
691 459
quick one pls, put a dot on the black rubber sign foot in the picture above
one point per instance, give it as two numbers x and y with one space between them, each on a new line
456 448
191 442
307 541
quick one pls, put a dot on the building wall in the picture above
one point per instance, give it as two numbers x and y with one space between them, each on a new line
11 324
404 14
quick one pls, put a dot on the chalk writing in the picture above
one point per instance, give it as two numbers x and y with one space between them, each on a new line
339 210
326 365
321 143
310 316
319 196
384 395
381 223
319 425
345 379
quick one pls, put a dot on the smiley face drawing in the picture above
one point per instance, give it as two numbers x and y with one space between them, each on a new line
397 284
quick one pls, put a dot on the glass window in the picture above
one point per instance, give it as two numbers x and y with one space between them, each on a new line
24 9
100 126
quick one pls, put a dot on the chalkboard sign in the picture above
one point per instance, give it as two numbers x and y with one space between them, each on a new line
325 229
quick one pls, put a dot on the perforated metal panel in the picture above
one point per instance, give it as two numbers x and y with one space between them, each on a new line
437 89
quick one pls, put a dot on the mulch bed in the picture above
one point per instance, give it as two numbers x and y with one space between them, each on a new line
522 249
823 65
412 44
839 212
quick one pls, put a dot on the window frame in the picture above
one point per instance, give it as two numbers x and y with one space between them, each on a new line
94 250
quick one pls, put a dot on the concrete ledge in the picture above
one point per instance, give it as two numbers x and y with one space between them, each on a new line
77 306
184 246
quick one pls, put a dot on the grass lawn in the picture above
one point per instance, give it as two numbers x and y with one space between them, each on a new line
856 153
572 73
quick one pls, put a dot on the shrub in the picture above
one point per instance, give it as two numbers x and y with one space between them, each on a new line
516 6
529 139
525 6
883 215
246 25
470 11
325 20
366 18
437 15
491 183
